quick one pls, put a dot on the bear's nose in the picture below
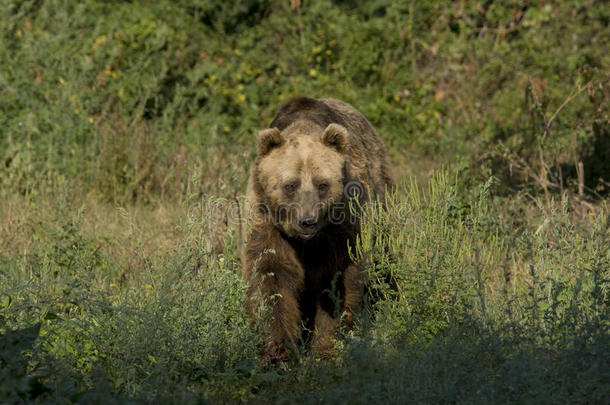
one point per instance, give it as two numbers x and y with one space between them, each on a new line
308 222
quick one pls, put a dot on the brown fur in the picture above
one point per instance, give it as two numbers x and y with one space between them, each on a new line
311 151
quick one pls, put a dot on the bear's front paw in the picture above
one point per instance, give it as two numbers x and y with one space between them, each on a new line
274 353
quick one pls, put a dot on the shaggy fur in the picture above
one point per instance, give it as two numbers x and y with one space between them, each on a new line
296 257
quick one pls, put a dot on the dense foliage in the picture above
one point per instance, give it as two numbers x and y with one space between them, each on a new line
126 130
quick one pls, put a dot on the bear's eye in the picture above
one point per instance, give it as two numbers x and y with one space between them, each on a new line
290 187
323 188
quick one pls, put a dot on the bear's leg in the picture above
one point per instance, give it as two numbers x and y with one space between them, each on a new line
326 326
284 326
275 276
353 282
325 333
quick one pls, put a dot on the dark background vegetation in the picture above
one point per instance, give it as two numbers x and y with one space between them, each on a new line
126 133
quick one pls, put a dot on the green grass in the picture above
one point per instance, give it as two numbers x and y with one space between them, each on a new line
126 132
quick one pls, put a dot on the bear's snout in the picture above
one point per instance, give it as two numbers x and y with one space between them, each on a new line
308 222
309 227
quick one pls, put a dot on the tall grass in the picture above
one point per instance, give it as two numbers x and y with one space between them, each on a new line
479 311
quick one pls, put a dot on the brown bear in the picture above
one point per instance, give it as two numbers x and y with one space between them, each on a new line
316 156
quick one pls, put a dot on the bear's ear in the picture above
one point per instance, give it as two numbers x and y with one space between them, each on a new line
335 136
268 139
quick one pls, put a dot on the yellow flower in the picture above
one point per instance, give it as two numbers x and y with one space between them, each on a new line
312 72
110 72
99 41
240 98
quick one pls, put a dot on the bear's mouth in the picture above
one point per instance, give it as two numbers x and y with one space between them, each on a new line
310 231
307 235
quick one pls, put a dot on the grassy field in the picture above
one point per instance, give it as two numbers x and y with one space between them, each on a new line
126 133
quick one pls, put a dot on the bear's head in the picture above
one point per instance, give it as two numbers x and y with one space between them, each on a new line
300 176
